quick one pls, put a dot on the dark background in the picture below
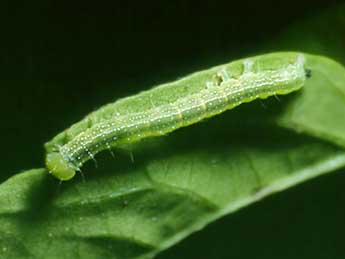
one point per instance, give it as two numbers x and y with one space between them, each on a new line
59 60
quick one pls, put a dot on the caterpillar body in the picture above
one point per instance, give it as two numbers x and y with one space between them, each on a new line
219 89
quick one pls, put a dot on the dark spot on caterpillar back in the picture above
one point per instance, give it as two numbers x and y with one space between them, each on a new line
219 80
308 73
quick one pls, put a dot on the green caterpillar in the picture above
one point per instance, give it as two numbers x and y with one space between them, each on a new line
180 104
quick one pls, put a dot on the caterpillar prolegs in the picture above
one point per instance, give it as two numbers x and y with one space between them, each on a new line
179 104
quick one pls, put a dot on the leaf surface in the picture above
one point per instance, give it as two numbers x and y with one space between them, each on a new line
180 182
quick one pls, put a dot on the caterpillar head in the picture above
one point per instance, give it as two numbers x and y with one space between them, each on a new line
58 167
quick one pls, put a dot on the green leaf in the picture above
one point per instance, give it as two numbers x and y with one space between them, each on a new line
181 182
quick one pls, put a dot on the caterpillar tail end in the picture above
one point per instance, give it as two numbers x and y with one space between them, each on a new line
58 167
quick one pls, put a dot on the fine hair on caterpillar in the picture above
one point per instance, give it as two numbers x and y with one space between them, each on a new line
182 103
